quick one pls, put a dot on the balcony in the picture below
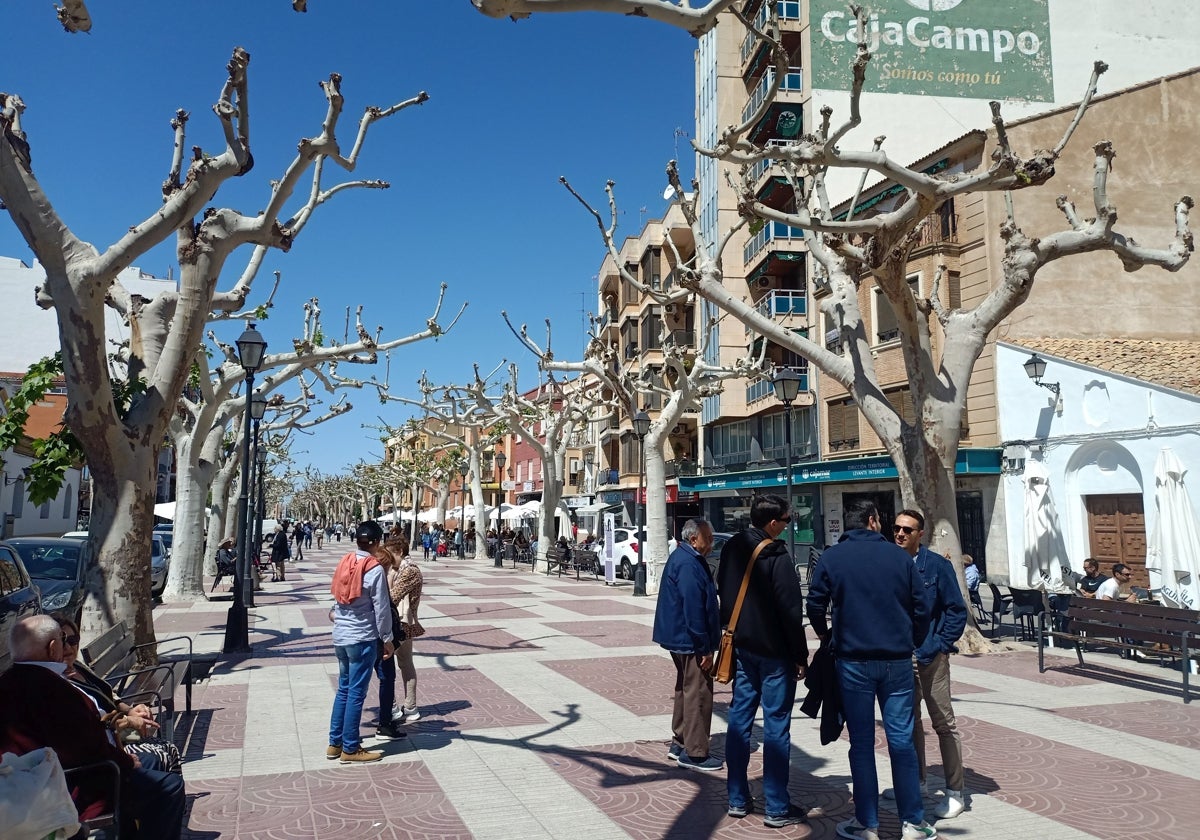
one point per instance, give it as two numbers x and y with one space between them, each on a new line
759 168
771 232
680 466
681 338
631 351
763 388
784 10
793 82
607 478
779 304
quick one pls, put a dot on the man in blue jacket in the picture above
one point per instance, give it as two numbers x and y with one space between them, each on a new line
688 625
947 620
880 617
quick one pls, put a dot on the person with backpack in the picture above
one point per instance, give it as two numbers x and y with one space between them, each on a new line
362 633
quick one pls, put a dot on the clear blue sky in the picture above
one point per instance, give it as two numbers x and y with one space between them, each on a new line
475 199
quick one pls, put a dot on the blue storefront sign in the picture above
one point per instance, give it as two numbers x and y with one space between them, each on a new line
968 462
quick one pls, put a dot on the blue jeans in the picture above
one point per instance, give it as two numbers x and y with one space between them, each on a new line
355 663
771 682
385 672
891 682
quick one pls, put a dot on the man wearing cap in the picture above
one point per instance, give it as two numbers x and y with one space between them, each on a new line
362 619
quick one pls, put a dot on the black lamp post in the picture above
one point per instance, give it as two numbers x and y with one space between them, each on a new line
462 511
261 471
787 387
589 463
499 460
251 349
641 427
258 407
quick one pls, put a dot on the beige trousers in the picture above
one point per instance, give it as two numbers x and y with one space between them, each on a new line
933 687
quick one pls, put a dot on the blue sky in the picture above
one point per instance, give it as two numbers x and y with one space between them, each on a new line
475 200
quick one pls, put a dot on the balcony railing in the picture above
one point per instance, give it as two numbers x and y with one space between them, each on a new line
779 303
682 338
784 10
631 351
763 388
939 231
793 82
680 466
607 477
759 168
771 231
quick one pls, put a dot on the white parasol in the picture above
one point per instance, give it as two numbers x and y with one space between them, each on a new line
1045 551
1173 554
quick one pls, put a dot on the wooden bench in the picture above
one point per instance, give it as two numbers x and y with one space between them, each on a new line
106 776
113 656
577 559
1150 629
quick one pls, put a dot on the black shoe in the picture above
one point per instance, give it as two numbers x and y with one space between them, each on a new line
390 730
739 811
794 816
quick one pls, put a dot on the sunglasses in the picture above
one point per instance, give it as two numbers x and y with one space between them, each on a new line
784 519
896 529
70 641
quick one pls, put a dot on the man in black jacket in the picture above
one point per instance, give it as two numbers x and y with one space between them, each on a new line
771 654
880 616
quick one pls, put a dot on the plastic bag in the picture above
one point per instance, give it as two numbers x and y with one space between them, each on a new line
34 800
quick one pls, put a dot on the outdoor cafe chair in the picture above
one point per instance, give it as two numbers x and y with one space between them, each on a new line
981 615
1027 604
1001 606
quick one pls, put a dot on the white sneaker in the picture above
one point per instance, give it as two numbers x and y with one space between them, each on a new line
922 831
408 715
397 712
950 807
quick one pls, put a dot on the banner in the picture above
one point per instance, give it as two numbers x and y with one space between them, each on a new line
610 567
968 49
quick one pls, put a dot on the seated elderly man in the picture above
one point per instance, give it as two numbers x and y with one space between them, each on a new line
39 707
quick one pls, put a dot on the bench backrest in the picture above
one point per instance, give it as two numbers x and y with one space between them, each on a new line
1145 622
111 651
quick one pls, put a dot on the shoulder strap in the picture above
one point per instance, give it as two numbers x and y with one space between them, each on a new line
741 596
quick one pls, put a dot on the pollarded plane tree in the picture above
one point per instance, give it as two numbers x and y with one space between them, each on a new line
452 417
851 251
685 379
121 443
206 412
546 419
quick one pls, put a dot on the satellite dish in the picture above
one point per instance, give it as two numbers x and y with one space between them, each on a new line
668 193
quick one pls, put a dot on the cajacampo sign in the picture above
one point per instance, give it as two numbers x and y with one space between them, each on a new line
981 49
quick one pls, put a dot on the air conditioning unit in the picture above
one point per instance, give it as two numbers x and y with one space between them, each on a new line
763 282
679 429
670 308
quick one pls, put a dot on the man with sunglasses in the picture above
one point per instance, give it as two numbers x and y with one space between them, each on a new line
770 653
1116 588
880 617
947 620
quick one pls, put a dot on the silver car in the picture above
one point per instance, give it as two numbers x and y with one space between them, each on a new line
158 567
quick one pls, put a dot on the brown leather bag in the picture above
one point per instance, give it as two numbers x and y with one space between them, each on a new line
723 663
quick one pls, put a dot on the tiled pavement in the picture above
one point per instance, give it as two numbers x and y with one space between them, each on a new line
546 710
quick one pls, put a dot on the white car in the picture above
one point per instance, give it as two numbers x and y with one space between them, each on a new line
625 551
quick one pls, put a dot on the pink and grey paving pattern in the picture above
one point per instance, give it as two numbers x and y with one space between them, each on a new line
545 716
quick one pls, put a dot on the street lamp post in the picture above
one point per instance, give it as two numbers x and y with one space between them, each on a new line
258 407
787 387
641 427
262 497
499 460
462 511
251 348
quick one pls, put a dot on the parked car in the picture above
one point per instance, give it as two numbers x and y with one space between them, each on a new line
56 567
159 563
625 550
713 558
166 533
18 597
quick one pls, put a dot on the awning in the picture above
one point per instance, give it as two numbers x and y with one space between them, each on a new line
599 507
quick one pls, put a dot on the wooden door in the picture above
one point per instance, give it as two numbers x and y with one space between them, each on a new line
1117 531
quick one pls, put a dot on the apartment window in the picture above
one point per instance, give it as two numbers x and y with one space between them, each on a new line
652 330
731 442
900 399
833 333
520 472
774 434
842 424
887 328
954 289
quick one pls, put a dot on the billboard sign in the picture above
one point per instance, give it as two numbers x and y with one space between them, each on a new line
968 49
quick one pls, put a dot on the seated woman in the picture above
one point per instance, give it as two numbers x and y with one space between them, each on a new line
134 726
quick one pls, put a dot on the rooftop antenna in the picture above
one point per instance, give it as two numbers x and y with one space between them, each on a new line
679 132
642 211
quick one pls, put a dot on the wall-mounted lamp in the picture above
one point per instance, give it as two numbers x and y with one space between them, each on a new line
24 476
1035 369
